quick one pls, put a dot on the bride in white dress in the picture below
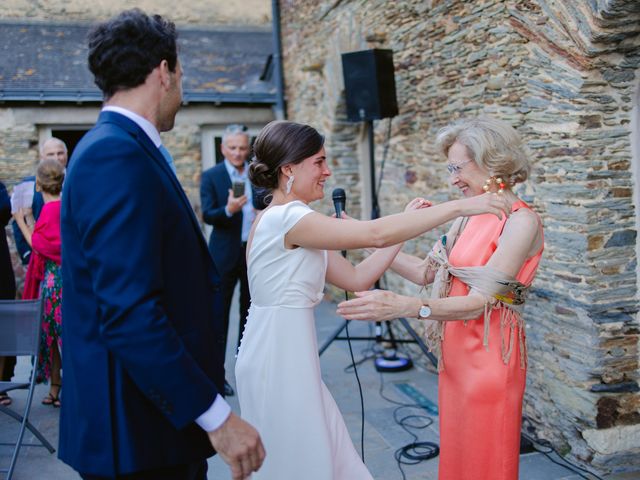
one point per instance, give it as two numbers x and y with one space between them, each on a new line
292 252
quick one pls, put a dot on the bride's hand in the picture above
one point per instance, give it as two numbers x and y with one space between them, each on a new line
486 203
343 216
417 204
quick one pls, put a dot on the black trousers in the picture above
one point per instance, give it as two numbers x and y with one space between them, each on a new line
228 284
7 366
7 292
192 471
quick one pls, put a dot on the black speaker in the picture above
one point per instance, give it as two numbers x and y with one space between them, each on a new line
369 84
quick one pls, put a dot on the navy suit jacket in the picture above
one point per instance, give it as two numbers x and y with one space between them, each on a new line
226 237
7 279
142 329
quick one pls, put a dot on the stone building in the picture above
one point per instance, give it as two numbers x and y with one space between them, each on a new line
565 74
46 88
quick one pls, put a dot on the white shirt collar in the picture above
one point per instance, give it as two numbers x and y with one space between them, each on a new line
143 123
233 171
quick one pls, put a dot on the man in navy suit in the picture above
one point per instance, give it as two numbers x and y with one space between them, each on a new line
231 215
143 331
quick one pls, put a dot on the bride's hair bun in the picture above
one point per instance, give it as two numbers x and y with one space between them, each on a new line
278 144
262 176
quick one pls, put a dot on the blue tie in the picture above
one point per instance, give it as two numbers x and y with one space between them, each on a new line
167 156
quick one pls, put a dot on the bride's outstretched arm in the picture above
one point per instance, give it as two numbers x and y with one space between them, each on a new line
342 274
362 276
322 232
414 268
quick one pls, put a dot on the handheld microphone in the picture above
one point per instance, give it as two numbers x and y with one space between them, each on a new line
339 201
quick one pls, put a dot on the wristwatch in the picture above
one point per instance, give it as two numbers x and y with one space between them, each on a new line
424 312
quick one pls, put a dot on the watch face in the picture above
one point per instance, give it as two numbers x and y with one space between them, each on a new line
424 312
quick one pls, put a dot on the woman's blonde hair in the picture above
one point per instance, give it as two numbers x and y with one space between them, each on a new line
492 144
50 175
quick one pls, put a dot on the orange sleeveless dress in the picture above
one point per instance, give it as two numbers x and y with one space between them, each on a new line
480 397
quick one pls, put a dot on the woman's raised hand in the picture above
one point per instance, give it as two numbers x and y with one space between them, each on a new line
486 203
379 305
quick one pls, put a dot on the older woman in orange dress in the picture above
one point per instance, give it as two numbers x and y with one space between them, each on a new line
481 271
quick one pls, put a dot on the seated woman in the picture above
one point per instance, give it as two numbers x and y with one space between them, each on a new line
43 275
481 271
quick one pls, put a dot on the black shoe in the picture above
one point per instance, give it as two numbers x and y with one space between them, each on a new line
228 390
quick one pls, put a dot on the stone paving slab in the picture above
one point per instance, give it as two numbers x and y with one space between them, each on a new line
382 435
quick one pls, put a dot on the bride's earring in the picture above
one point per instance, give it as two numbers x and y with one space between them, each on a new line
290 184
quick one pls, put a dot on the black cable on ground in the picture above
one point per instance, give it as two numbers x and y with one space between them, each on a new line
415 451
355 371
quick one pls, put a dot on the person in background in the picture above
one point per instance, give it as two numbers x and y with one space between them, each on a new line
227 199
43 275
7 284
52 149
481 271
144 351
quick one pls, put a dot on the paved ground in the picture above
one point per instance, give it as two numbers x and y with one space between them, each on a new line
382 434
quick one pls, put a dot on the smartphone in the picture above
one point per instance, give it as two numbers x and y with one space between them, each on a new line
238 189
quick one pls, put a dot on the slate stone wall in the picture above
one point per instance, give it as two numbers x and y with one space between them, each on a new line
565 74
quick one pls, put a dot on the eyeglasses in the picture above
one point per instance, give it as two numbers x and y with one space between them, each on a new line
455 169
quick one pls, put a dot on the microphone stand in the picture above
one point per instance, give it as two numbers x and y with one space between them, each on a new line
389 361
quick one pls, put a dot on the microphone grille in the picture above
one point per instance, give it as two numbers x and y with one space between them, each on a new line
338 194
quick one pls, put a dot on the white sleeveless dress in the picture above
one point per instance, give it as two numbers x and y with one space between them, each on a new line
278 377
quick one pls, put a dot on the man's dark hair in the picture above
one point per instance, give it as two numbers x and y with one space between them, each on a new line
124 50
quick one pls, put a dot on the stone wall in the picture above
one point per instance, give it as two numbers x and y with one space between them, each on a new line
565 74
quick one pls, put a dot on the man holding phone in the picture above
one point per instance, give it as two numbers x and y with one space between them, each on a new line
227 205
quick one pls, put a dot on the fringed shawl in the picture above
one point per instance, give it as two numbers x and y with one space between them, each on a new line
507 294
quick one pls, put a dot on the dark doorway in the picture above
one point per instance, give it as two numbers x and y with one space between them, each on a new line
69 137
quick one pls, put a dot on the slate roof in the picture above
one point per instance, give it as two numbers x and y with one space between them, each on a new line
47 62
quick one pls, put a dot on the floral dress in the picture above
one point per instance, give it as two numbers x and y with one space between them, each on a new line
51 330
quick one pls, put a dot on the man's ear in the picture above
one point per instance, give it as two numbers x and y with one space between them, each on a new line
164 74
